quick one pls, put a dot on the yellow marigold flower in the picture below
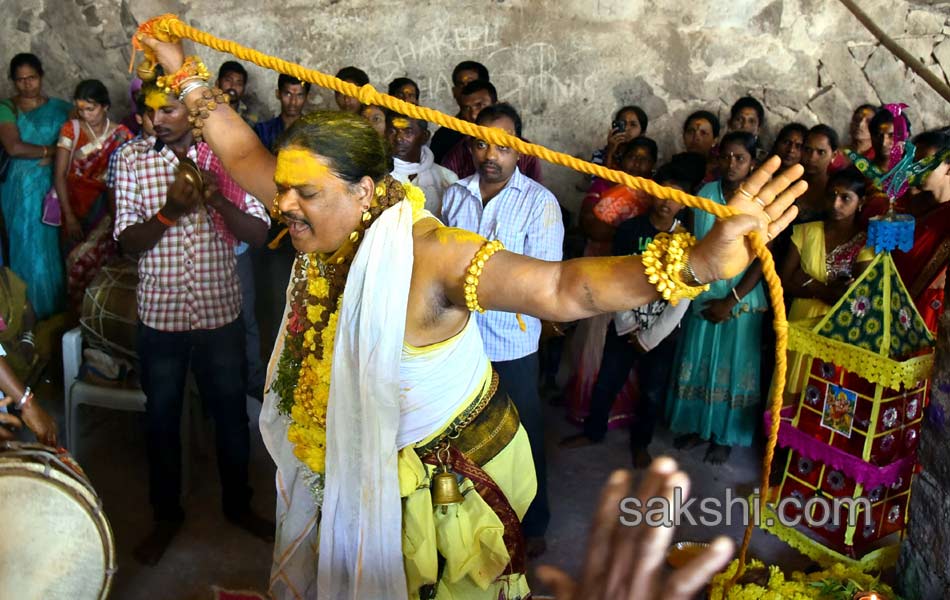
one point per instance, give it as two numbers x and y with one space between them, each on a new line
318 286
309 338
314 313
416 197
299 416
323 372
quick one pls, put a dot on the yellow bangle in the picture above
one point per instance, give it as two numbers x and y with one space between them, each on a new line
191 68
664 261
475 271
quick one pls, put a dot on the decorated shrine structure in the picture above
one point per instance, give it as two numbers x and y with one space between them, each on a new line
854 432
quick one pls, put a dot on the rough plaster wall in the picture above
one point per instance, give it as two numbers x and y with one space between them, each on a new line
924 566
567 64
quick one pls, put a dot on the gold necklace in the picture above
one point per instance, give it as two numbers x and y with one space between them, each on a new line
96 140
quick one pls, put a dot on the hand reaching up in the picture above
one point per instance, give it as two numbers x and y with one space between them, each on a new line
626 563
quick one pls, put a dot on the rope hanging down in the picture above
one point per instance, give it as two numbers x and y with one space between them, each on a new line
170 28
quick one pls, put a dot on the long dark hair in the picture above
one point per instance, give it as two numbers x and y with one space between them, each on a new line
350 144
92 90
742 138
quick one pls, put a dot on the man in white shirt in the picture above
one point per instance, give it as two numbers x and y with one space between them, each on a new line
413 160
500 202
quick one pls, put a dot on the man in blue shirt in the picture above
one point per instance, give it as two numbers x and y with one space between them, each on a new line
292 94
500 202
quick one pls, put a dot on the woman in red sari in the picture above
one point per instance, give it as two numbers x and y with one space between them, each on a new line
82 159
924 268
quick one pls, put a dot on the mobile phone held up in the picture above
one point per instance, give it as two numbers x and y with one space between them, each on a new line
619 126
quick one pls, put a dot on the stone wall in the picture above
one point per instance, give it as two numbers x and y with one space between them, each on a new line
565 64
924 566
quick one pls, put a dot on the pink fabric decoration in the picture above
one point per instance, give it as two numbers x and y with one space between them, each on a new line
870 476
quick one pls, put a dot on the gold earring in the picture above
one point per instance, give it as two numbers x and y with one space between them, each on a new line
367 216
275 208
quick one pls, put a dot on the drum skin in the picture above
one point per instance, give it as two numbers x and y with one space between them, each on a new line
56 542
109 310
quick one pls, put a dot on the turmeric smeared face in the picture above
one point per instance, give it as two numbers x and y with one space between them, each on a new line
406 138
320 208
156 99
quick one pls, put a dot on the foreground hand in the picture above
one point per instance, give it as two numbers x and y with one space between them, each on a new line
212 195
7 420
626 563
40 423
726 251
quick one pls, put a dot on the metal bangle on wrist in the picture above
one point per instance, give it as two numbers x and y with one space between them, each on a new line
25 399
690 278
28 337
190 86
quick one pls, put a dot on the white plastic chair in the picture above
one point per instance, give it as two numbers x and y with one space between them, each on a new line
77 392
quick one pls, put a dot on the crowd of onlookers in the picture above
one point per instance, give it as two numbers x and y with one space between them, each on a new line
702 367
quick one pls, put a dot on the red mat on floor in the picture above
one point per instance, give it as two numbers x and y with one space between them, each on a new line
223 594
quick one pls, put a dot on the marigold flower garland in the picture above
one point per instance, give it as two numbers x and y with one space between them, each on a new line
774 585
302 382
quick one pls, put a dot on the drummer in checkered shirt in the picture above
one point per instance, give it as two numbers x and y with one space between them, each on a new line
189 305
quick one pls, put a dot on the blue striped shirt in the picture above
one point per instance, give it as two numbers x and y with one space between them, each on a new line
526 217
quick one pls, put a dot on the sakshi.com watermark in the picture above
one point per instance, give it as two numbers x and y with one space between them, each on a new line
817 511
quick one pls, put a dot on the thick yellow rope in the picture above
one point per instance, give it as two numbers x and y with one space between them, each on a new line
169 27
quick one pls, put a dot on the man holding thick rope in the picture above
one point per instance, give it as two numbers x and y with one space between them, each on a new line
399 479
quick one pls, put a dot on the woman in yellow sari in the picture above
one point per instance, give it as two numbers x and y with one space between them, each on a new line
824 259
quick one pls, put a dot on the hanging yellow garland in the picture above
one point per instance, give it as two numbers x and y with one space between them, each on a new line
306 363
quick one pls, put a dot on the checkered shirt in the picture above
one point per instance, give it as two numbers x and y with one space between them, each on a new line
188 280
526 217
114 162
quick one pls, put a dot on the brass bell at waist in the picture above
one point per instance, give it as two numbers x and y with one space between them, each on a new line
445 489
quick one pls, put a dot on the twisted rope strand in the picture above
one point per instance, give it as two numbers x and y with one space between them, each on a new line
171 26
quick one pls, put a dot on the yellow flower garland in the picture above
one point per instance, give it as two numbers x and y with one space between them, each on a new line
307 429
308 426
797 587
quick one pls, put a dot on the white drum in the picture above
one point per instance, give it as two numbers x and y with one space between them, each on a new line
56 542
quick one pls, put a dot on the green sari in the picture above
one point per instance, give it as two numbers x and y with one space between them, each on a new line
716 389
34 247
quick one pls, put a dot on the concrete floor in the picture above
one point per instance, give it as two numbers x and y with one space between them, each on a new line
208 551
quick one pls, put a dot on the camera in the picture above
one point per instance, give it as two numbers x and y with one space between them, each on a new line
619 126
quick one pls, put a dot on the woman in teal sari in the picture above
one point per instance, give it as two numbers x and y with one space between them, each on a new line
716 391
29 127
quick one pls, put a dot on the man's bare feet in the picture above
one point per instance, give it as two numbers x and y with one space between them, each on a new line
153 547
257 526
717 454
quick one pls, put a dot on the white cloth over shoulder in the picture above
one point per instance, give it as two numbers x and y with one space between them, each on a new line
360 539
